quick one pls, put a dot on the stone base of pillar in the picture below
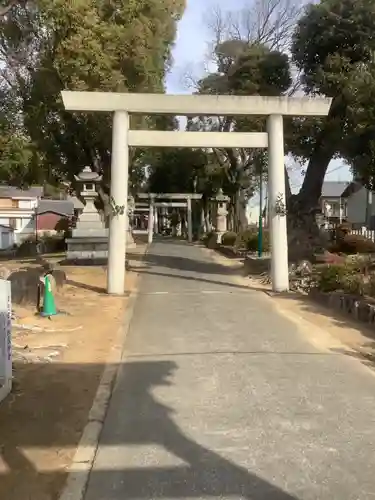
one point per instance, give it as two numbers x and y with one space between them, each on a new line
219 237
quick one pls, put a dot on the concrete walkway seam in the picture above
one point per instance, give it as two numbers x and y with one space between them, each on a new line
83 461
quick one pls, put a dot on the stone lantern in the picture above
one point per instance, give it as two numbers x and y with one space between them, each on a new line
89 239
221 214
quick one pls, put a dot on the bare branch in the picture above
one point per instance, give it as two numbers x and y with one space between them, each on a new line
216 22
264 21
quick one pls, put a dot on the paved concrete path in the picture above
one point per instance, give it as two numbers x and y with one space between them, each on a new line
221 397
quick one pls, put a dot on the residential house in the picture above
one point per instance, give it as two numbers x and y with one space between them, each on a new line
17 210
23 213
50 213
332 202
360 205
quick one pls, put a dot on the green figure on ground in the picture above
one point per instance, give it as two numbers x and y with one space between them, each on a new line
49 306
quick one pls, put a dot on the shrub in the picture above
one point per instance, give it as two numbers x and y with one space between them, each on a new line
355 243
52 244
210 240
342 230
249 240
329 258
48 244
330 277
353 283
27 247
266 241
244 237
338 277
229 238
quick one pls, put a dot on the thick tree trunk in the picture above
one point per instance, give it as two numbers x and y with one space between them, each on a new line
304 236
231 217
241 211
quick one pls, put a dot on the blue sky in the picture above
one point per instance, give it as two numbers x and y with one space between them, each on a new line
189 54
192 39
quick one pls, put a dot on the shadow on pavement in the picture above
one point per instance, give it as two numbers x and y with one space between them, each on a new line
38 425
145 421
227 284
199 265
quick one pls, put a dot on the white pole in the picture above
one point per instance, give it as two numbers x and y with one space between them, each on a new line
189 221
278 223
119 194
151 222
156 223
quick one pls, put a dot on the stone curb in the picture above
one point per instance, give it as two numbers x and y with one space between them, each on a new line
83 461
358 308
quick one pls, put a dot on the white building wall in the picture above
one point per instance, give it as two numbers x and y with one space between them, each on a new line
356 207
23 218
26 204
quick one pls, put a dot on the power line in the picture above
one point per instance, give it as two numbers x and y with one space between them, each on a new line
335 169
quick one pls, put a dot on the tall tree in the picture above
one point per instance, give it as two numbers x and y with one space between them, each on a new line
50 45
177 170
246 50
333 47
243 69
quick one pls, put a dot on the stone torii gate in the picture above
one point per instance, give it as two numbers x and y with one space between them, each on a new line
121 104
186 197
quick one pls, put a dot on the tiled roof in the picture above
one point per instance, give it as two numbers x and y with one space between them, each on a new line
333 189
78 205
14 192
63 207
351 188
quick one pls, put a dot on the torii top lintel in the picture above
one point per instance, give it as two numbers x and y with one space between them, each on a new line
195 105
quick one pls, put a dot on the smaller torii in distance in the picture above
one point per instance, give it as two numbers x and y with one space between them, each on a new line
172 197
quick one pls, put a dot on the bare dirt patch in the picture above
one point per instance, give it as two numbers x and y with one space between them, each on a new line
58 364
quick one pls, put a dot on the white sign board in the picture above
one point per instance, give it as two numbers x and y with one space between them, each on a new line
5 339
